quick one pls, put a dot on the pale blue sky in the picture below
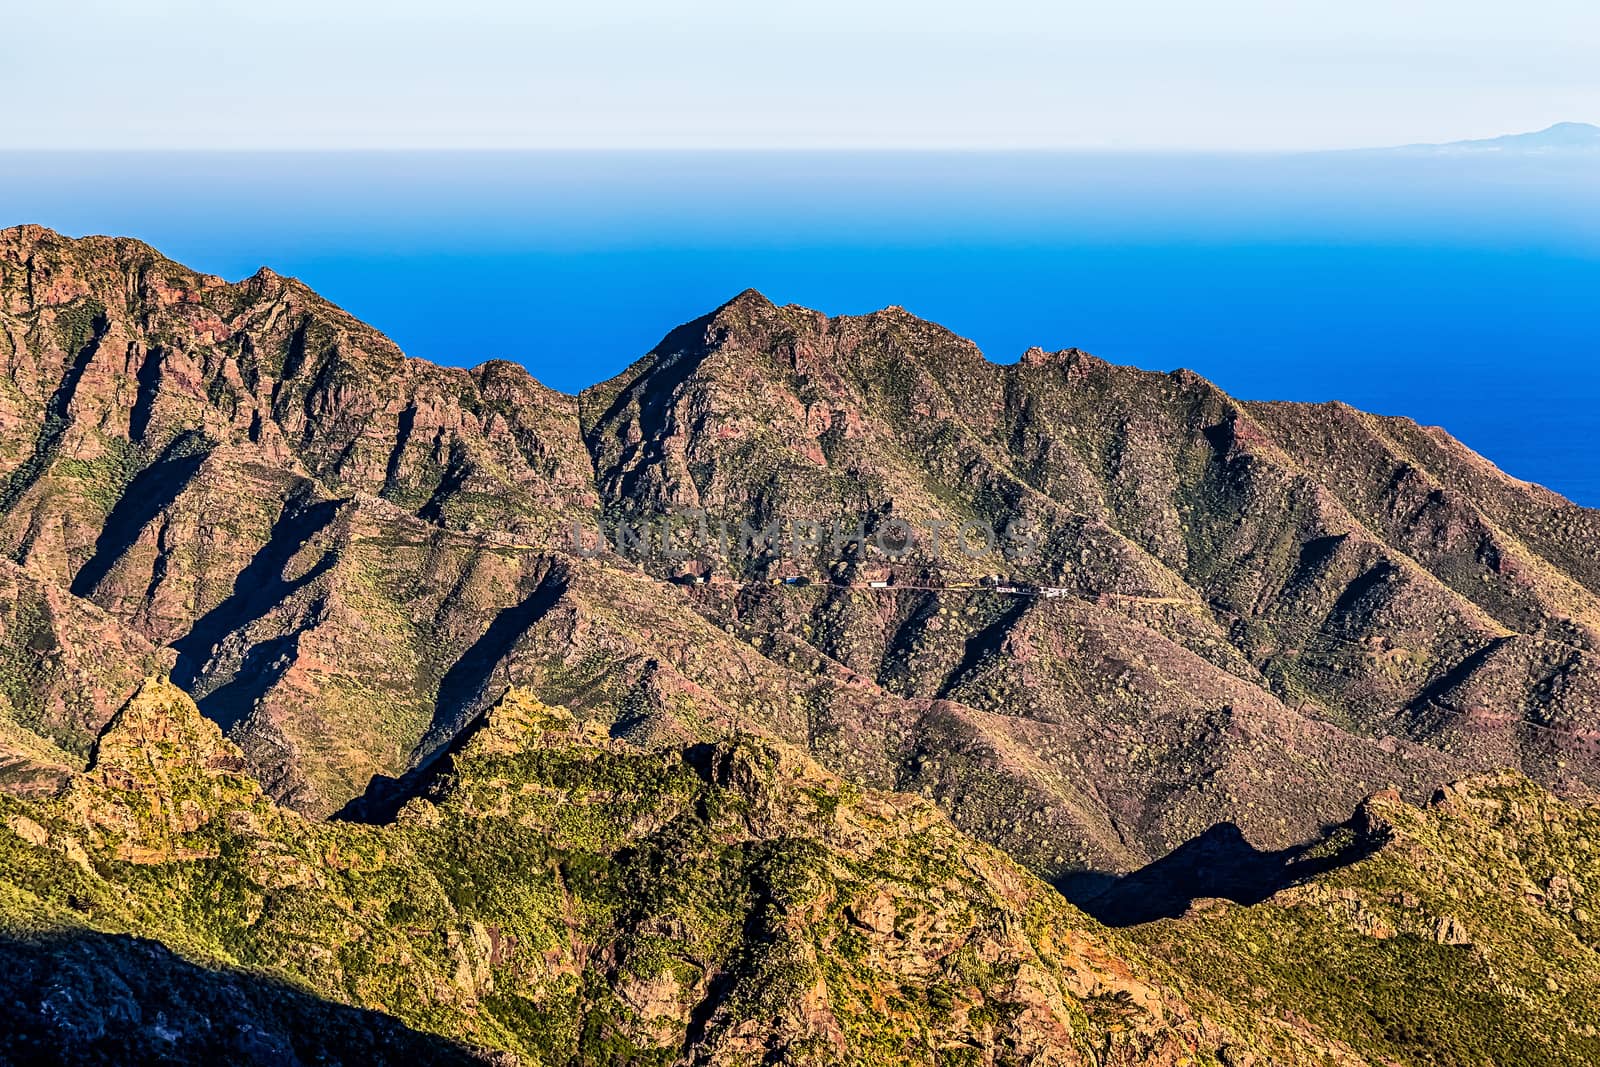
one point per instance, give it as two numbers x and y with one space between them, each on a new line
824 73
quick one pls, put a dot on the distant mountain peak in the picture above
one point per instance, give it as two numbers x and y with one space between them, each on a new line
1584 129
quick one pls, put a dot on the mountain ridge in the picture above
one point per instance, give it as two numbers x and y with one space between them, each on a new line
704 905
1269 610
315 721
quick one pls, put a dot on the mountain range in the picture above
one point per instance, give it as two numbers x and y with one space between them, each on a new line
305 676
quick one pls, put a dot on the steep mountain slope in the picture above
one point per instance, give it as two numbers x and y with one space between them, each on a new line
65 666
203 460
1270 611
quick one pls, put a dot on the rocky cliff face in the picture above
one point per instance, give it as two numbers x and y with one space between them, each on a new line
1270 611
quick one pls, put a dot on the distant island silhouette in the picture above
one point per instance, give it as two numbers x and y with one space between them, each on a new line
1563 137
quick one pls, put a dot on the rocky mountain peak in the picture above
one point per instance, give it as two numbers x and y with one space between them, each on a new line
749 302
160 730
160 775
519 721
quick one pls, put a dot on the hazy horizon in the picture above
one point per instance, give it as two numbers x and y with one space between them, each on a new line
1163 75
845 150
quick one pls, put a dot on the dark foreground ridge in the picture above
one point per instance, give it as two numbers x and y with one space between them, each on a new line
73 998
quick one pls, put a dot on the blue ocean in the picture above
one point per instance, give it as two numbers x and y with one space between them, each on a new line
1458 290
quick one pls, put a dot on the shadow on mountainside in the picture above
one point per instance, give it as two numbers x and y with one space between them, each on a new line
80 997
385 794
1218 864
150 491
466 693
261 585
466 688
